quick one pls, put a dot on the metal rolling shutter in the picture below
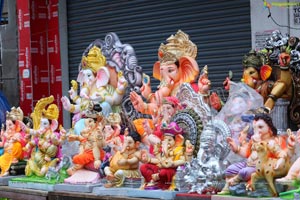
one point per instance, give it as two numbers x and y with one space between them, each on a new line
220 28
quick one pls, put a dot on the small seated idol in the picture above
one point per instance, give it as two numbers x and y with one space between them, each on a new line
124 163
112 132
150 129
294 172
11 141
265 134
159 171
87 161
47 141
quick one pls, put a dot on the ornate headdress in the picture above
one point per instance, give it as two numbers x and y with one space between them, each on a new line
15 114
252 59
172 129
94 60
178 45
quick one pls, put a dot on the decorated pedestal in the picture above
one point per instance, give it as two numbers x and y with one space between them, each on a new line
82 188
137 193
82 181
192 196
18 183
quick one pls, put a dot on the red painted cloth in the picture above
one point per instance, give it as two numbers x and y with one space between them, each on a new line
165 175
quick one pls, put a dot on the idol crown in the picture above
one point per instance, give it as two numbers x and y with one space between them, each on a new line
178 45
94 60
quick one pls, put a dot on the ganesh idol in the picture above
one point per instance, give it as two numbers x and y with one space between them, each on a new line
159 170
176 65
94 79
12 141
45 143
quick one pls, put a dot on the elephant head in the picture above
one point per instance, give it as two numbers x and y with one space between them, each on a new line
48 124
86 77
271 82
49 118
176 65
255 72
185 70
95 76
172 138
90 65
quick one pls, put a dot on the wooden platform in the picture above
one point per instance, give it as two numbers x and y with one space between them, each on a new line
192 196
221 197
85 196
22 194
31 194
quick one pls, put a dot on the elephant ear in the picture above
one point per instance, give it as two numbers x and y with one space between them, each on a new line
156 70
179 140
189 69
80 77
102 77
54 124
265 72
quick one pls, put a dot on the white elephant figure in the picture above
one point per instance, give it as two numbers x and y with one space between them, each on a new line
95 88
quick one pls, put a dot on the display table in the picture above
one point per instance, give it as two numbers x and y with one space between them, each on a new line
30 194
55 195
192 196
22 194
220 197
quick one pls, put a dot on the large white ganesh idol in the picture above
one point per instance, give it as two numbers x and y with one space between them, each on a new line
95 88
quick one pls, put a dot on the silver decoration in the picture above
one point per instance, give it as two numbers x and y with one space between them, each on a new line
213 142
188 97
180 183
204 174
195 115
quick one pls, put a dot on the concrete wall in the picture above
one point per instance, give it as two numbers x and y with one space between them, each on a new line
9 56
284 12
63 35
